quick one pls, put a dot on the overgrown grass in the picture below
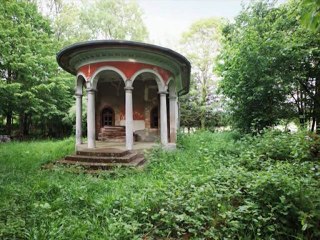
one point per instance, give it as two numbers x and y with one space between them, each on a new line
215 186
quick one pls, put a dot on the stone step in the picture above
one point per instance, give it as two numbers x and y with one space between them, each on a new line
109 152
103 166
99 159
117 139
113 134
113 129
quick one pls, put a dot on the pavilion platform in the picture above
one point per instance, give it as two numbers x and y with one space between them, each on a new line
115 146
106 156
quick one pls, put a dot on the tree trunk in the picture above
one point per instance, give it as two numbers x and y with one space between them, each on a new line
9 123
25 124
316 105
203 104
301 108
313 124
9 112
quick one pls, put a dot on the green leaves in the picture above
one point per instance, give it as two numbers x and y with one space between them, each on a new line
112 19
266 67
32 87
201 45
311 14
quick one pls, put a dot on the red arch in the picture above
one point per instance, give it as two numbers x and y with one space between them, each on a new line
128 68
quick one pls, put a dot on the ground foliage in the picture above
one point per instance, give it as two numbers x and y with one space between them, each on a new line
215 186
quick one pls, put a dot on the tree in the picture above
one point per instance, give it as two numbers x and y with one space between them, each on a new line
114 19
201 45
75 21
35 94
270 67
66 20
311 14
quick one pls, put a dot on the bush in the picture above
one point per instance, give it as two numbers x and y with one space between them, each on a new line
215 186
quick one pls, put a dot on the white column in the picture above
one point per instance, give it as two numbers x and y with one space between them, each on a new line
78 119
91 116
129 117
178 114
163 118
173 119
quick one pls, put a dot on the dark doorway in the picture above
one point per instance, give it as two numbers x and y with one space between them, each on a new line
154 118
107 117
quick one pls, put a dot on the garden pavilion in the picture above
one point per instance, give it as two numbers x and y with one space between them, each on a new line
131 87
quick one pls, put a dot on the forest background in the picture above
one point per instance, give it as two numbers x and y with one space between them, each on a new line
258 71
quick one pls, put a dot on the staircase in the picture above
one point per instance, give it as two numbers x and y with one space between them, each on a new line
112 134
104 159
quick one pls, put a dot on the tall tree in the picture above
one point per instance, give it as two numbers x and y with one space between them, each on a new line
270 67
66 19
114 19
201 45
29 73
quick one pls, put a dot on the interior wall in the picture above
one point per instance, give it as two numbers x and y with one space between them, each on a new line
112 94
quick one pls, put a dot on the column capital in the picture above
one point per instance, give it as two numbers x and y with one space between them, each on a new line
128 88
163 92
128 83
78 94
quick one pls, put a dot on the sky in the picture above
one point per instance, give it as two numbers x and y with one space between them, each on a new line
166 20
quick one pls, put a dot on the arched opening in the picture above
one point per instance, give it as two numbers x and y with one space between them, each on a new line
80 83
107 117
154 117
145 99
109 104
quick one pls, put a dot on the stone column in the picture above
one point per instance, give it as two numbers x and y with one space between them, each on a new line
173 119
78 119
178 114
129 116
163 118
91 116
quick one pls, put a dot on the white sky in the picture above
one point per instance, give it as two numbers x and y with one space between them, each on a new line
167 19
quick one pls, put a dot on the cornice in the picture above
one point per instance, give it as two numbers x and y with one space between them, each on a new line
123 55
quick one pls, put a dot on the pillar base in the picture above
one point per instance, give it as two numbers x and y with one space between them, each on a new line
169 147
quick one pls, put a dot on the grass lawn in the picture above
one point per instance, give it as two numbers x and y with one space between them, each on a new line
215 186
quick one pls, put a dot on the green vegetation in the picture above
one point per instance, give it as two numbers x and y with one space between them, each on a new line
35 94
215 186
269 64
200 44
311 14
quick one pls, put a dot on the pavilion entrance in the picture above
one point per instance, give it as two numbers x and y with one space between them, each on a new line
107 117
